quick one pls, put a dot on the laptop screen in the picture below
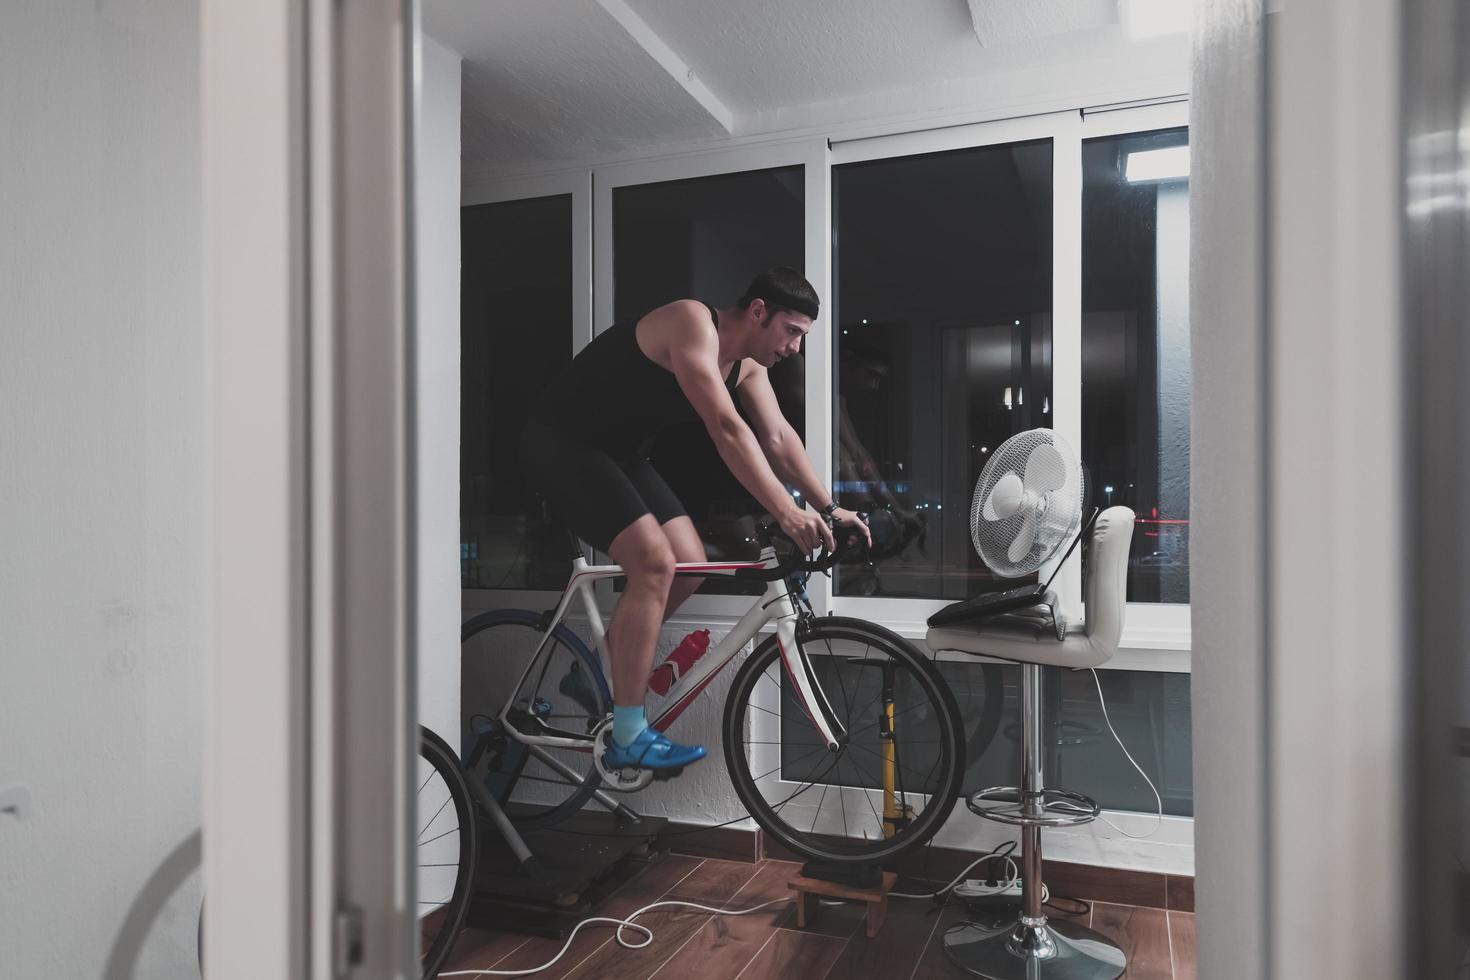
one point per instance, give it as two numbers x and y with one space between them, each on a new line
1086 526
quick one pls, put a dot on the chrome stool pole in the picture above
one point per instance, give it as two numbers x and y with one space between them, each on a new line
1033 948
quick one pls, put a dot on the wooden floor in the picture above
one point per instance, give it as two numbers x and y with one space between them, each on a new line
688 943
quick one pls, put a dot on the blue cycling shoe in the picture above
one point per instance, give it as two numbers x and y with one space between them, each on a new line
650 750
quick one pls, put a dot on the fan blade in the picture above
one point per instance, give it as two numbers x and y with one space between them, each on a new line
1003 498
1046 469
1025 538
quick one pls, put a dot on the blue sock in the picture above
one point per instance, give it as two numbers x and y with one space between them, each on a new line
628 724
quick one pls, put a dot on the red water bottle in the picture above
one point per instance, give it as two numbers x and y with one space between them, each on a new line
667 674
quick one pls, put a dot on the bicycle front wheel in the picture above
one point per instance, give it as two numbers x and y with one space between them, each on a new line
894 779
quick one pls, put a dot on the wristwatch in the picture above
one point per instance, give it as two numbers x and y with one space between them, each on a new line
827 511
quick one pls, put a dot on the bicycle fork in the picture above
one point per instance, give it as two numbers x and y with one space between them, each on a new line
809 693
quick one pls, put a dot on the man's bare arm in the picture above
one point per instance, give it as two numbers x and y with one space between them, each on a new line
693 356
784 448
778 440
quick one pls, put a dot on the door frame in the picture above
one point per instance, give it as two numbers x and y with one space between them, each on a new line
309 298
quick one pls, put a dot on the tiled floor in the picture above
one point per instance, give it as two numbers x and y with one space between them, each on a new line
689 943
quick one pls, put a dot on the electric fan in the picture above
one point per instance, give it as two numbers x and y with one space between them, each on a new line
1027 503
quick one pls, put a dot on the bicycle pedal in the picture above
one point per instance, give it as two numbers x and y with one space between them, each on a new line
664 775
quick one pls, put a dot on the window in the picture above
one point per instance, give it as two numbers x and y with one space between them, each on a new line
706 238
1135 347
977 281
516 333
943 349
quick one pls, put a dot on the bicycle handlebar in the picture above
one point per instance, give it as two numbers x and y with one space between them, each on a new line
797 562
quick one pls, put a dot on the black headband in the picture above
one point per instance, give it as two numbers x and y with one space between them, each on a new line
776 296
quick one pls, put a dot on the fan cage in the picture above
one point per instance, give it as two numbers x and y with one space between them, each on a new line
1057 518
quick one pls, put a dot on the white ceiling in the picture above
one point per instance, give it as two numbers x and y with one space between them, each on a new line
552 83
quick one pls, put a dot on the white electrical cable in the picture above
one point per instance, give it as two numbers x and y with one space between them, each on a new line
1063 804
628 923
622 924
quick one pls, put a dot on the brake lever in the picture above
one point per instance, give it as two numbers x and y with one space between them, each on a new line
868 555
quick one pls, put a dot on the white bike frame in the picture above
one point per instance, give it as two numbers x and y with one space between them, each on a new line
774 605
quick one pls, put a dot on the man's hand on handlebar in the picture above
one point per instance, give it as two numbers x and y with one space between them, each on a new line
842 517
807 529
801 559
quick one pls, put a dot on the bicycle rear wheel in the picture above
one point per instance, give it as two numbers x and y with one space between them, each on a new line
447 850
895 778
565 694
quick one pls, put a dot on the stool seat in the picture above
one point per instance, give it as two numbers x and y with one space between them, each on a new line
1027 639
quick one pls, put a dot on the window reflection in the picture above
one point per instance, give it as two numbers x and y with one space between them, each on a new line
944 297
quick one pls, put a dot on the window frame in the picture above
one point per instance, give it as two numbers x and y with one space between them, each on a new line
1151 629
1156 636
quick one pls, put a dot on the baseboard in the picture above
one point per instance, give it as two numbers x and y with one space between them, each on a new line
726 843
1117 886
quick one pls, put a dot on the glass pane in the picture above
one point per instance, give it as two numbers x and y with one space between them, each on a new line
1135 347
706 239
515 335
944 299
1149 710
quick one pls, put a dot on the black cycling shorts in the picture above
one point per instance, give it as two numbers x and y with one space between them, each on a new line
594 494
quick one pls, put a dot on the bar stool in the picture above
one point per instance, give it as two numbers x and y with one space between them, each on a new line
1032 947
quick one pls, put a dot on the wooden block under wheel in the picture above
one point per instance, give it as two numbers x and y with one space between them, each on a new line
875 898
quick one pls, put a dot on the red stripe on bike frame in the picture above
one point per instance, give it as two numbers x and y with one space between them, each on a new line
699 566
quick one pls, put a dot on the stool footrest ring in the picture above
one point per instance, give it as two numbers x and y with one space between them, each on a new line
1043 808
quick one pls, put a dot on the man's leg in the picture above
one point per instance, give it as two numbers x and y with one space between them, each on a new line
684 540
644 552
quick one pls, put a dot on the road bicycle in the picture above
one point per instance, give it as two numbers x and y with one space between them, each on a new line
841 739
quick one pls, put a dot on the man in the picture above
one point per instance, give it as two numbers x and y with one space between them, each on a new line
586 447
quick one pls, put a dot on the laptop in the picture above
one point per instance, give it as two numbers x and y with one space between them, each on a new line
989 604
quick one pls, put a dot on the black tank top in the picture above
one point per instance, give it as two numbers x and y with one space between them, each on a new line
614 397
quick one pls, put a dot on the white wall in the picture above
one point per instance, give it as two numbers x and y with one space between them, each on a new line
102 479
436 189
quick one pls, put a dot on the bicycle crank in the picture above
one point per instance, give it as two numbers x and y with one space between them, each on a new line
617 780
